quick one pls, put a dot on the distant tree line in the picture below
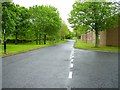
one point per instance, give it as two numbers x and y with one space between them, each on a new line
37 23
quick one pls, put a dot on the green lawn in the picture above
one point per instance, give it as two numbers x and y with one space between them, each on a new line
86 46
14 49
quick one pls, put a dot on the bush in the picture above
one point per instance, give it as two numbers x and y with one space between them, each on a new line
18 41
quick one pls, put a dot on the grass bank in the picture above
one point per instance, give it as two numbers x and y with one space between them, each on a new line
82 45
19 48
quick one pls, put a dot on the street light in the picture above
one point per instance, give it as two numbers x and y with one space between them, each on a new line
4 42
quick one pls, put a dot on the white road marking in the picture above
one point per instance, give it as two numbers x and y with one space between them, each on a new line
71 65
71 56
71 61
70 75
72 53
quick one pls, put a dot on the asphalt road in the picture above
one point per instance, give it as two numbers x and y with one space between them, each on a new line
0 73
60 66
94 70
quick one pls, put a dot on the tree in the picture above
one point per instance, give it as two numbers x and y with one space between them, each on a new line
46 21
95 16
64 31
22 23
15 21
8 23
0 23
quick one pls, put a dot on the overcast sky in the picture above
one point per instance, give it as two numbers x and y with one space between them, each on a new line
63 6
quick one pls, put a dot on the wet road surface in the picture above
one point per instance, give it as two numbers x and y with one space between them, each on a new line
94 70
60 66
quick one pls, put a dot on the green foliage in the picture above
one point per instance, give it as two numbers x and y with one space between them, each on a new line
0 24
64 31
70 35
15 20
7 17
94 16
22 22
46 20
38 23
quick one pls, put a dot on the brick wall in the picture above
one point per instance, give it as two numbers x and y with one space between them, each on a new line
102 40
112 37
107 38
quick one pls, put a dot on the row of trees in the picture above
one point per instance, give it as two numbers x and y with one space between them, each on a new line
36 23
0 12
94 16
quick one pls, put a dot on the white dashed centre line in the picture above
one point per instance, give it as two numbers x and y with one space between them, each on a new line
71 61
70 75
71 57
71 65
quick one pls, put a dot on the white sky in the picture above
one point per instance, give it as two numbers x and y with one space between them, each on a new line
64 6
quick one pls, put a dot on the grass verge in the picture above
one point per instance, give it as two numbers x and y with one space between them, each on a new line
82 45
19 48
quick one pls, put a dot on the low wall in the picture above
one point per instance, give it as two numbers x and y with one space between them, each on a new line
112 37
107 38
102 40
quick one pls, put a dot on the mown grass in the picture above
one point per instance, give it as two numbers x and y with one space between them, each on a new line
19 48
82 45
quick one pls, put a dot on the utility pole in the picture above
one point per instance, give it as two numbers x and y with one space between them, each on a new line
4 42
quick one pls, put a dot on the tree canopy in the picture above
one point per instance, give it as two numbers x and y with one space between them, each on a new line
45 19
94 16
36 23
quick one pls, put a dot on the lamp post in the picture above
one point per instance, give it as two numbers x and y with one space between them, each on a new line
4 42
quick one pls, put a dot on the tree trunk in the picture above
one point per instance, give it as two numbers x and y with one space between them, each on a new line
45 39
96 38
39 39
16 41
36 38
96 29
86 37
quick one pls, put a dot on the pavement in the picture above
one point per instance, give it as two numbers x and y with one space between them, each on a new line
60 66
